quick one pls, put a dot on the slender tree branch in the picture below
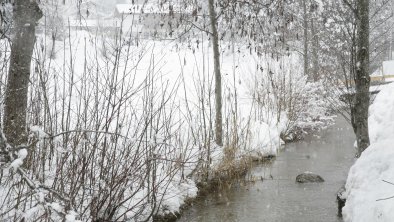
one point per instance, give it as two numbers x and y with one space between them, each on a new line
348 4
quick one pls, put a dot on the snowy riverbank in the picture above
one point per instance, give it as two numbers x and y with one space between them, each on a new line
131 121
369 187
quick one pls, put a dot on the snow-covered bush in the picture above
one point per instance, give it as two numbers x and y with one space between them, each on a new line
126 134
107 139
310 111
286 99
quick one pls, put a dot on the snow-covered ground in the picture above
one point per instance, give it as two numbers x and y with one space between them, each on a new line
370 184
116 89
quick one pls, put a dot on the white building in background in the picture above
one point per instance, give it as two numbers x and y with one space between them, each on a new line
90 16
385 73
110 25
143 19
151 19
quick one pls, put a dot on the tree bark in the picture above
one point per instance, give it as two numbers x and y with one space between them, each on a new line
305 24
362 79
315 49
25 17
218 77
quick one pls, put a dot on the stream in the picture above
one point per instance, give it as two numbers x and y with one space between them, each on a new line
271 193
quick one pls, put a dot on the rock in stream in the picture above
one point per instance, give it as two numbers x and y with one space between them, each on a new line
309 177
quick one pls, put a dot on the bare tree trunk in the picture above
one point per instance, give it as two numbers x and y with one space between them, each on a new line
391 31
218 78
362 79
25 18
305 24
315 49
4 157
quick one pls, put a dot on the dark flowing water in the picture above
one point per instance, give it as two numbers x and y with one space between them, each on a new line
278 197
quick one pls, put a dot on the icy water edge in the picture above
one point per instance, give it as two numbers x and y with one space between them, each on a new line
272 193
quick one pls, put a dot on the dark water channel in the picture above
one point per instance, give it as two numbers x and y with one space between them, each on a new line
278 197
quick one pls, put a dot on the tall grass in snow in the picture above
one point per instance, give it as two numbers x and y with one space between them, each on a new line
121 129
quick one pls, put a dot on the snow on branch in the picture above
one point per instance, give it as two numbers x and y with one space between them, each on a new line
15 162
387 198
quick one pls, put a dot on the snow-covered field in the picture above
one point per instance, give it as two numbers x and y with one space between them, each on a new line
370 184
125 125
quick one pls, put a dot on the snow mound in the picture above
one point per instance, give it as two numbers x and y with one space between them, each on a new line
365 185
177 193
381 120
368 184
264 139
